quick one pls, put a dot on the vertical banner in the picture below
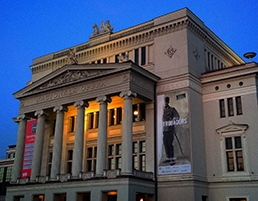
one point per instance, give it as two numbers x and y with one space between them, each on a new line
28 148
173 136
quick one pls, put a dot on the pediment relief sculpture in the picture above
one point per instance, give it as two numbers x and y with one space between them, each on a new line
68 77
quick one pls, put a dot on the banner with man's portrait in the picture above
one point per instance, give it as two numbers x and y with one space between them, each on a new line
173 137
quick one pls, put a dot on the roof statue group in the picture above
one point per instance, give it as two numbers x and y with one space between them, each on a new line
105 27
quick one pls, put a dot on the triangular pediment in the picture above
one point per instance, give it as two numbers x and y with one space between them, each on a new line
232 128
66 75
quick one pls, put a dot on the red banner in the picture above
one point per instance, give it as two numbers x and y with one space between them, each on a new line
28 148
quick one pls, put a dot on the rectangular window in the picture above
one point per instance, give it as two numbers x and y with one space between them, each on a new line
222 108
135 113
9 173
69 161
136 56
143 56
104 60
119 115
230 107
38 197
53 127
239 105
237 199
139 157
91 158
111 150
83 196
114 156
96 120
117 58
50 162
209 60
1 174
234 154
112 117
90 120
72 124
135 147
142 112
139 112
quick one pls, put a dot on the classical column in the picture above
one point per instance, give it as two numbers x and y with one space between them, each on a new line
17 167
127 133
38 145
79 138
102 135
58 139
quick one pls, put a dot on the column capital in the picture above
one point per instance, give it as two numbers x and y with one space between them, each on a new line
20 117
128 93
40 113
103 99
81 103
60 108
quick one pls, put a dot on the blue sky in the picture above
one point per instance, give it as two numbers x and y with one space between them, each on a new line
30 29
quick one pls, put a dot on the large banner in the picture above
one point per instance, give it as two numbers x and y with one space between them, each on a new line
173 135
28 148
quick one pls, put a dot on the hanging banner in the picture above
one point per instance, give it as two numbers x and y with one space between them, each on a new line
173 136
28 148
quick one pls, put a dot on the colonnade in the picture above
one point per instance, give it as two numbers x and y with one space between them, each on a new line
60 110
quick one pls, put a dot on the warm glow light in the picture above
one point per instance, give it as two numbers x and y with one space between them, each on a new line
112 193
141 199
135 112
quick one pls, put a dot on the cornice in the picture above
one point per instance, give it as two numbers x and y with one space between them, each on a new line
213 41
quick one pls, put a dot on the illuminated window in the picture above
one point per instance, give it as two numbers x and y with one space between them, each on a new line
119 115
115 116
72 122
234 154
139 112
38 197
112 117
90 120
110 196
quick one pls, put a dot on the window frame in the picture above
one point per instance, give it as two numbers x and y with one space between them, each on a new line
233 130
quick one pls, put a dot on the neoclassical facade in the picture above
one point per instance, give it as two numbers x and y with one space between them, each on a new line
141 114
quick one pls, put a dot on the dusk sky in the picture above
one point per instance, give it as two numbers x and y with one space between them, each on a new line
33 28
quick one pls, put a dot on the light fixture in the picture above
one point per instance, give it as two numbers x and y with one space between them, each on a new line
135 112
